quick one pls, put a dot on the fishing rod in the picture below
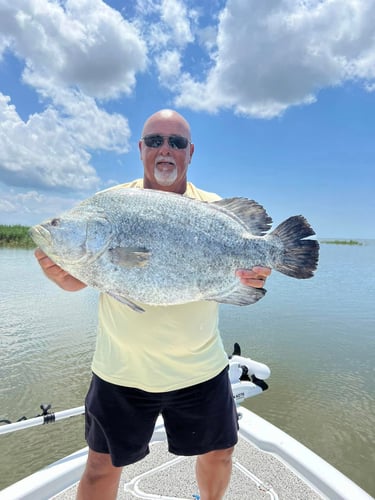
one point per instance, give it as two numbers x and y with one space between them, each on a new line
246 377
44 418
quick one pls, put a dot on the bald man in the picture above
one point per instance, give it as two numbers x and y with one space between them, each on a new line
169 360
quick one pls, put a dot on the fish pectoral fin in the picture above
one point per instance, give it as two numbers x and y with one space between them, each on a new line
129 256
126 301
241 296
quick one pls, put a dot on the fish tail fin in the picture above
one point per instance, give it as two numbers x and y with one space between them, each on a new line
299 257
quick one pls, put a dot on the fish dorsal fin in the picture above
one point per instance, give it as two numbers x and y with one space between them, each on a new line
252 215
129 256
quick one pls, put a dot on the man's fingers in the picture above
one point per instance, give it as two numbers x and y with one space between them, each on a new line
255 277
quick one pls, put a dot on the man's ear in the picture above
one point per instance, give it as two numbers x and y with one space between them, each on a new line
191 151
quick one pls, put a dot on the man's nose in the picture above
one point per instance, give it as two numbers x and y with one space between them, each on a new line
165 147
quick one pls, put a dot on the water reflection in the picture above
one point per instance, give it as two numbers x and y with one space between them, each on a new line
316 335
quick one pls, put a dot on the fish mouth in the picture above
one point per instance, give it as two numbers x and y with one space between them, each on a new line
40 235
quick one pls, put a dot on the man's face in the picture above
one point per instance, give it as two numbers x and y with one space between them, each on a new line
165 166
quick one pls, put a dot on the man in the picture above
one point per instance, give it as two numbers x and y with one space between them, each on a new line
169 360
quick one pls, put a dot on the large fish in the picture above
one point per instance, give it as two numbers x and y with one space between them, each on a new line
161 248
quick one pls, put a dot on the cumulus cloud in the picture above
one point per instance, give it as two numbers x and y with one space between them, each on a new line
257 58
50 149
80 43
273 55
177 18
169 66
76 54
166 23
29 207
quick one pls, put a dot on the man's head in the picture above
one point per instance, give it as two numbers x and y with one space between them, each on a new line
166 151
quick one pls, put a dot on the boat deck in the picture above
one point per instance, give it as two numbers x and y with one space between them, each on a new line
268 463
256 475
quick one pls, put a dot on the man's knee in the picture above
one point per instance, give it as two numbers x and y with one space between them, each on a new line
100 478
217 456
99 465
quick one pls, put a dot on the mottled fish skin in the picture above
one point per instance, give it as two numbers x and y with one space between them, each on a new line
161 248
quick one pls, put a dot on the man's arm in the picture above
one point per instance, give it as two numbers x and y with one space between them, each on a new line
56 274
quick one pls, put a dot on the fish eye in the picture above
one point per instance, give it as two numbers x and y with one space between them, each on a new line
55 222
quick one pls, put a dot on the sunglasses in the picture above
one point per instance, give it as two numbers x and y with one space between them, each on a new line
175 141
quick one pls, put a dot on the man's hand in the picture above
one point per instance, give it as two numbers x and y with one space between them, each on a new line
255 277
56 274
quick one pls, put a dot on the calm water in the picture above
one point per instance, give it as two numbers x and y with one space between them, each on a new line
318 337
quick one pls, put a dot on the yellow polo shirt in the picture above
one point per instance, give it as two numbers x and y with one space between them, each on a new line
166 347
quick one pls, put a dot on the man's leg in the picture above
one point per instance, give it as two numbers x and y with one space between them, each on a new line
213 471
100 479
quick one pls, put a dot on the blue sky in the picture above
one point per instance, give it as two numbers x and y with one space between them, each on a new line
280 97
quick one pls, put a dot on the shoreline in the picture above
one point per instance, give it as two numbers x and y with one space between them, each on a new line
16 236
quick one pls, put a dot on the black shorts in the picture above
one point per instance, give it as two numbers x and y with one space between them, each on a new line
198 419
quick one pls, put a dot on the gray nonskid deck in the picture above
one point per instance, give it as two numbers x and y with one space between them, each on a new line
256 475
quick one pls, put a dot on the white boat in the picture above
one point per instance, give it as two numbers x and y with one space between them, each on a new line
267 463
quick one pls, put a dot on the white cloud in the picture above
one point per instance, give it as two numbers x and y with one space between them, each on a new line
165 23
273 55
90 127
6 206
176 17
74 53
80 43
30 207
49 150
169 66
207 36
254 57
